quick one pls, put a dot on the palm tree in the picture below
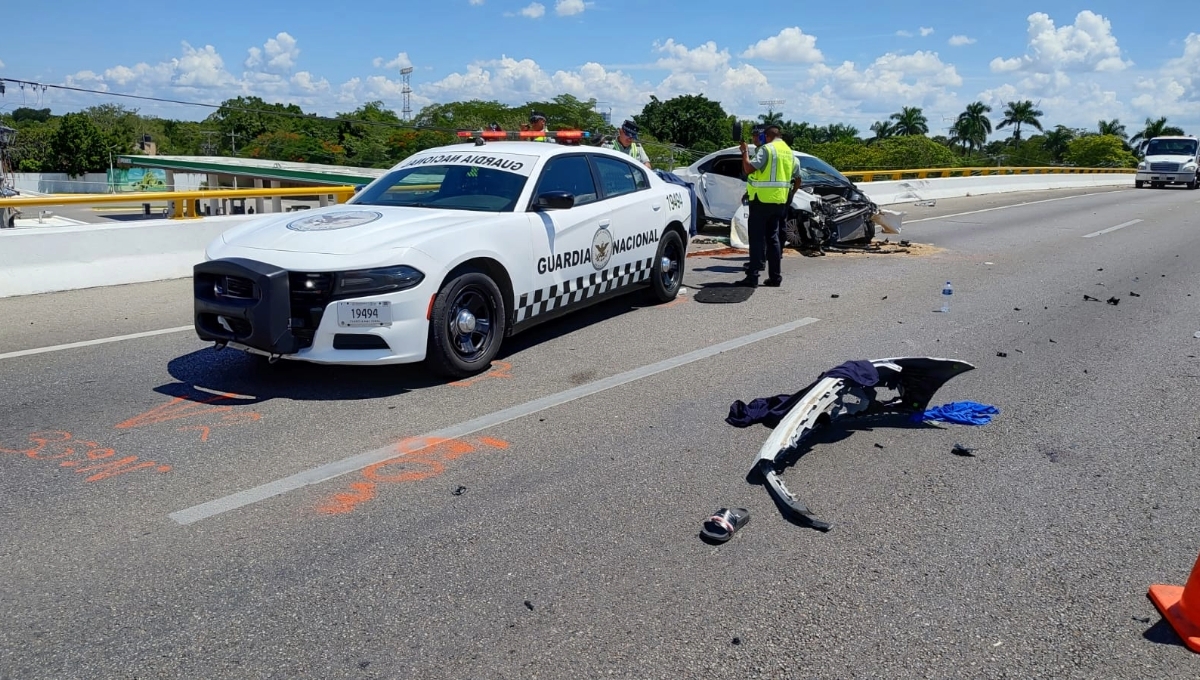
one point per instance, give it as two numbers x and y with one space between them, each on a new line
1154 128
838 132
1056 141
972 127
882 130
1113 127
910 121
771 118
1018 114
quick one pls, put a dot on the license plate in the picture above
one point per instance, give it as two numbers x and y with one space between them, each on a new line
364 313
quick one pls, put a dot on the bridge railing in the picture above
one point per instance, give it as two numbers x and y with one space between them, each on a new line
929 173
182 204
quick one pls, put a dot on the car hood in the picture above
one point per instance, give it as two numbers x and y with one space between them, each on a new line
349 229
1170 158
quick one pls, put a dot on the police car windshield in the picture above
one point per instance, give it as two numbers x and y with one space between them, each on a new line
1171 147
446 187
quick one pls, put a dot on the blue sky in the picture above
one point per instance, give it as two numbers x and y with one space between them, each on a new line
836 62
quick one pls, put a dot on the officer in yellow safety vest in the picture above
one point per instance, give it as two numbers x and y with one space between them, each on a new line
537 123
626 143
773 177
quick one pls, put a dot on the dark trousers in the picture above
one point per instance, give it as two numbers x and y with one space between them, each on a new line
766 237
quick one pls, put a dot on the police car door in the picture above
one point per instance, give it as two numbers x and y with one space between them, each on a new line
637 217
565 271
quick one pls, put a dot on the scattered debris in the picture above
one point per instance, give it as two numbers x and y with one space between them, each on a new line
989 263
883 298
1002 354
878 445
1197 335
960 450
835 295
528 605
1100 269
460 491
1114 301
1089 298
1142 619
1016 309
1054 341
737 641
855 389
926 204
724 523
1133 294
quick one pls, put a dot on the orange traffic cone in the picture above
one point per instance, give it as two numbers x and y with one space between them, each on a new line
1181 607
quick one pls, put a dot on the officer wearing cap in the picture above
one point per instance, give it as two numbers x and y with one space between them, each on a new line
626 143
537 123
773 178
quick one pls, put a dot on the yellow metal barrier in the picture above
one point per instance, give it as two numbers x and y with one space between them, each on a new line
927 173
180 198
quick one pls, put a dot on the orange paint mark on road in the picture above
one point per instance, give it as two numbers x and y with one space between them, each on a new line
340 504
226 421
420 458
500 370
177 408
58 444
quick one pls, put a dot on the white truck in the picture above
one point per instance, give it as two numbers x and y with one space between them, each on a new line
1170 160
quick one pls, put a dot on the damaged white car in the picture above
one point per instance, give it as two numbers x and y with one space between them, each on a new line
829 210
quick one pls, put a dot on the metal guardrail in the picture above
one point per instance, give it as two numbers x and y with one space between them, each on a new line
892 175
179 199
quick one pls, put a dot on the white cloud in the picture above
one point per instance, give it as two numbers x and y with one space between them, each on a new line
1176 90
1 64
401 61
894 80
475 3
926 31
535 10
703 59
789 45
1086 45
904 34
278 55
960 40
566 8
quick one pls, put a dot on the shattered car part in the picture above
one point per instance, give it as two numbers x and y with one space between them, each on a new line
829 399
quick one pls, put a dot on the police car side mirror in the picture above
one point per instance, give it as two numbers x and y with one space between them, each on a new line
359 187
555 200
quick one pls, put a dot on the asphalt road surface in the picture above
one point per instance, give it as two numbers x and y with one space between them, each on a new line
561 540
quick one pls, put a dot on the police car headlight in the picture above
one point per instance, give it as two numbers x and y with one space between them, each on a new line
1190 165
382 280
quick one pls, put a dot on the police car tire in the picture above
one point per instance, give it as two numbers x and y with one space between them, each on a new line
661 292
442 355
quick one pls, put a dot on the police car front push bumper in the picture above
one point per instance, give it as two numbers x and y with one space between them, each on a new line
250 304
914 379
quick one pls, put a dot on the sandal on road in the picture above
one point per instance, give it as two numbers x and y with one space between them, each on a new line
724 523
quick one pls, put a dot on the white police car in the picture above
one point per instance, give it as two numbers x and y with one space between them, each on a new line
444 256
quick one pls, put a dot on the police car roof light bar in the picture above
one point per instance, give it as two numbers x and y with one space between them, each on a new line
525 134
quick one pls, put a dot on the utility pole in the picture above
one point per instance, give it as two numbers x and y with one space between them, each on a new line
207 147
406 90
233 142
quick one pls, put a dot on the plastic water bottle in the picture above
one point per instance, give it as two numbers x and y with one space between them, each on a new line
947 291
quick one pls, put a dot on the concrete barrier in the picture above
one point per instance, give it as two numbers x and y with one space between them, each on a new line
910 190
49 259
43 260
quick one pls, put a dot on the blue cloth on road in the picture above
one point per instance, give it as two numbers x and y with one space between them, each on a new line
676 179
960 413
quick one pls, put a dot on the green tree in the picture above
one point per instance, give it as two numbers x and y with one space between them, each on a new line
972 127
685 120
912 152
33 149
1056 142
1100 151
882 130
284 145
28 115
1154 128
1021 113
848 155
78 146
910 120
771 118
1112 127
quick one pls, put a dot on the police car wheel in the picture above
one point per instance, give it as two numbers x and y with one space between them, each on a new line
666 272
466 325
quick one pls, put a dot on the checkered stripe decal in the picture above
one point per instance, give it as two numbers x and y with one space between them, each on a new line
582 288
